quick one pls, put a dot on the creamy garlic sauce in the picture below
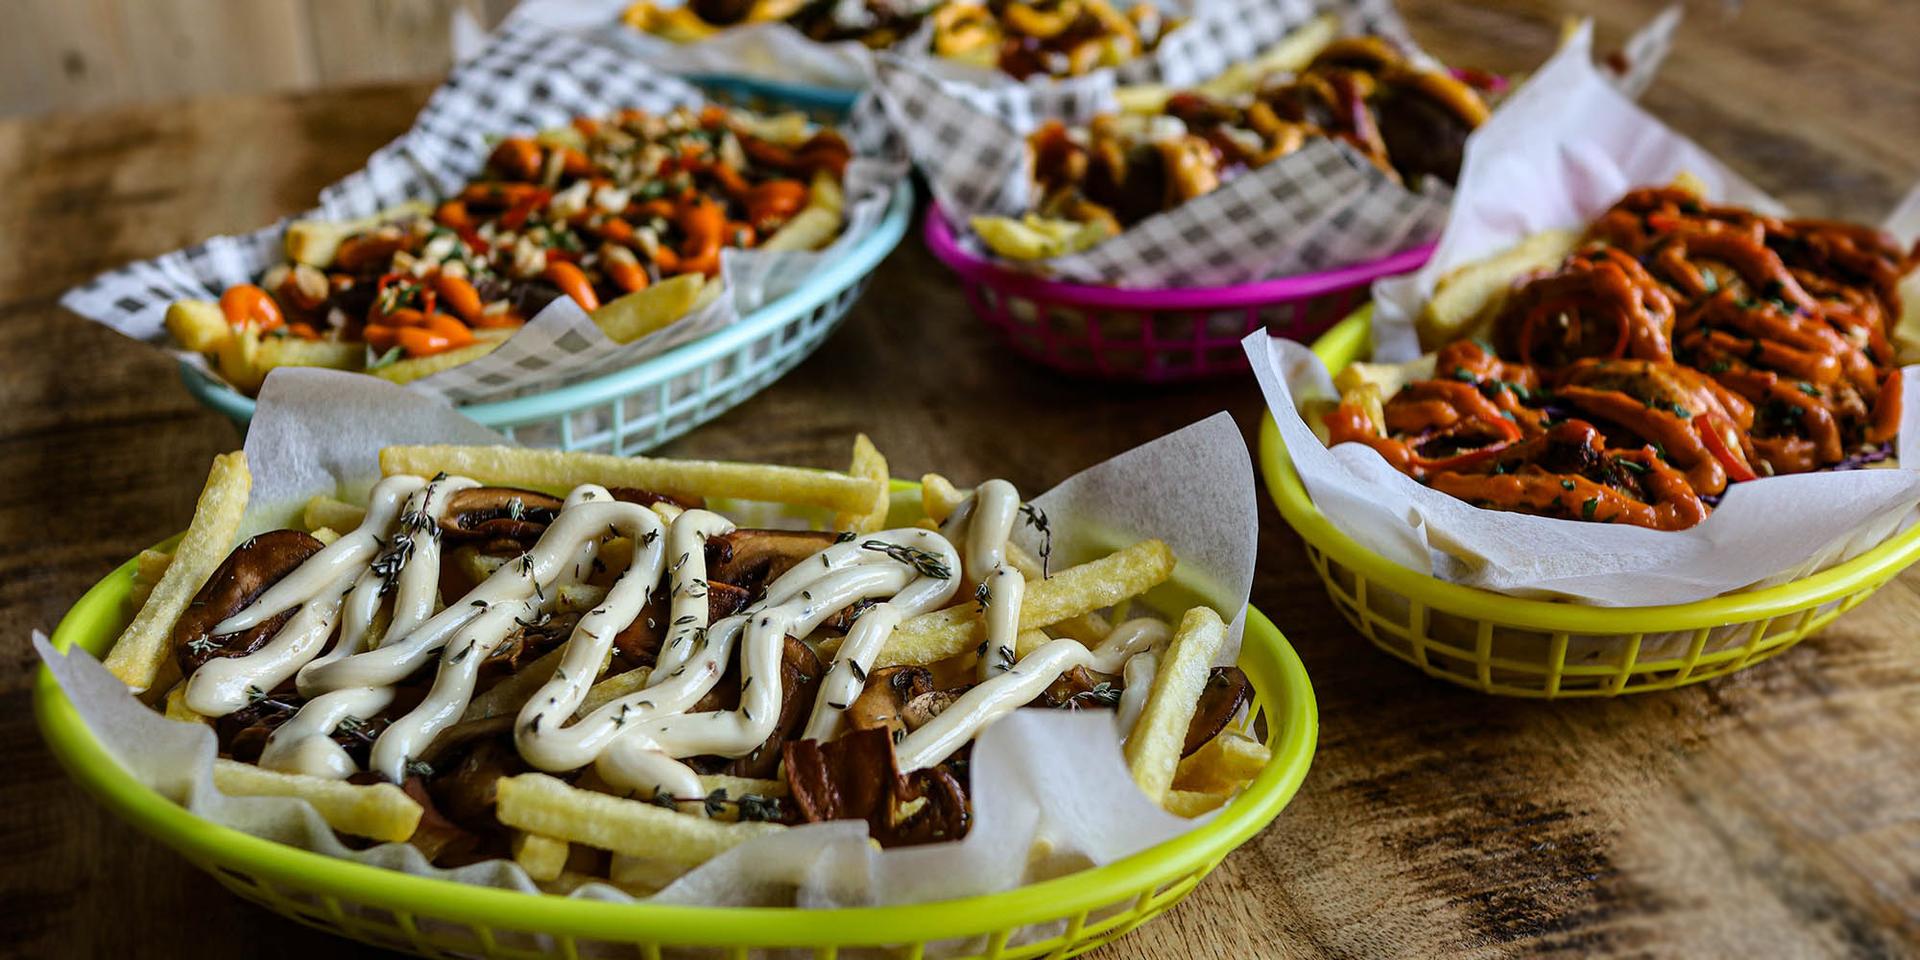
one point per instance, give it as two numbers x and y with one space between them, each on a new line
636 742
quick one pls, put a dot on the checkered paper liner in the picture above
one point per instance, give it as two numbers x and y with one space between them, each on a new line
1218 34
1322 206
526 78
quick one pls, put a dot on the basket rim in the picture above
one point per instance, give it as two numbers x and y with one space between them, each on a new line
943 241
1351 339
95 618
830 282
813 96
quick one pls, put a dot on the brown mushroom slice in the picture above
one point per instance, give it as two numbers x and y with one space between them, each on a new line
496 513
648 498
252 567
467 769
752 558
921 710
638 644
882 703
1226 692
856 777
800 675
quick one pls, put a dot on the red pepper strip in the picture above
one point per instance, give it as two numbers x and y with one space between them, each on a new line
1510 433
1459 460
1736 467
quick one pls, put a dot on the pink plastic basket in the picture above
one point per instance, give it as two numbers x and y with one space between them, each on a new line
1153 336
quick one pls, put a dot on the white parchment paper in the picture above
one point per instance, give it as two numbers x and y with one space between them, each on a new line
1561 151
1056 775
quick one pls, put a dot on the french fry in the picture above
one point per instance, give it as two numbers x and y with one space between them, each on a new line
1291 54
237 358
378 811
939 497
147 642
1068 593
407 371
1224 763
314 242
737 787
1028 641
651 308
826 193
1467 298
1906 331
324 511
554 470
1153 748
615 687
1144 98
541 804
148 568
868 463
197 325
810 229
1034 237
1190 803
177 708
277 352
1388 377
542 857
512 692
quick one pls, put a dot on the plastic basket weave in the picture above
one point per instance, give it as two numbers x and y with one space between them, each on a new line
1533 648
1054 918
664 396
1153 336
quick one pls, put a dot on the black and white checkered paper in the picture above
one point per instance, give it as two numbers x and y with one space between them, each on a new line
1320 207
525 79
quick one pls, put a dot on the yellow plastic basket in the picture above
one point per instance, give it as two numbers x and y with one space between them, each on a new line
1534 648
436 918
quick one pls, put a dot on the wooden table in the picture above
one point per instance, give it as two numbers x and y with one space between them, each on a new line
1774 813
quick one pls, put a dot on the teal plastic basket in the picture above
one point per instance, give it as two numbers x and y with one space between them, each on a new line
659 398
822 104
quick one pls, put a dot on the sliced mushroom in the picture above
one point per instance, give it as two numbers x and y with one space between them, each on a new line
248 571
856 777
752 558
921 710
882 703
463 784
494 513
437 838
800 675
638 644
1226 692
648 498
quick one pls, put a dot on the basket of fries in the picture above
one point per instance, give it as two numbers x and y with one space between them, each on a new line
666 395
574 749
1511 646
1155 336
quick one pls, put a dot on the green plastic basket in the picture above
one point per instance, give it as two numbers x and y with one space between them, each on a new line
659 398
1536 648
439 918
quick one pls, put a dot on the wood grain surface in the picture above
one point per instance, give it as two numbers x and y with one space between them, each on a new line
1774 813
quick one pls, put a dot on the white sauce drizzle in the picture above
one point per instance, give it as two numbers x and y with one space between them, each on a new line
635 742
